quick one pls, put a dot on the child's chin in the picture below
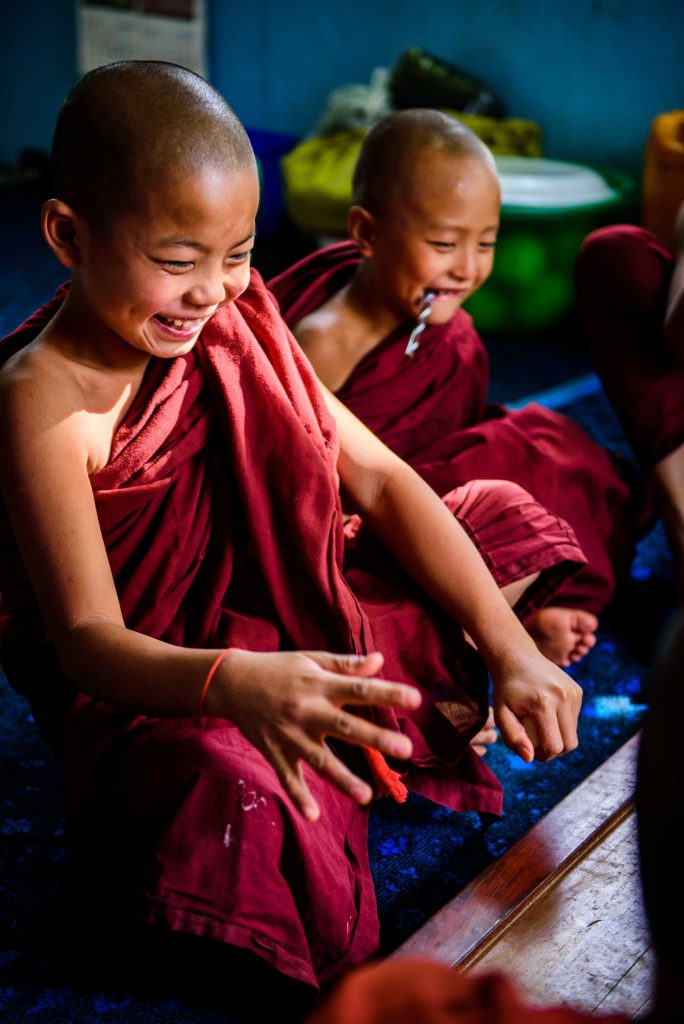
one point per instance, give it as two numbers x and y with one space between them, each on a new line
442 313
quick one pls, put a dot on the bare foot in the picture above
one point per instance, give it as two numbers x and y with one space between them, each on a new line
486 736
564 635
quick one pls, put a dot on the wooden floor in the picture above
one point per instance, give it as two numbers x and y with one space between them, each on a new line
561 911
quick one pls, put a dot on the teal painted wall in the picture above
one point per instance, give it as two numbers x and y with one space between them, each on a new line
593 73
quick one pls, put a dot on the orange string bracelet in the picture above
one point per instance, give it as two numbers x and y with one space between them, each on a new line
210 676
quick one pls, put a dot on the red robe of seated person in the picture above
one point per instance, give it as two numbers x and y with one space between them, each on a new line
414 991
623 277
432 409
221 516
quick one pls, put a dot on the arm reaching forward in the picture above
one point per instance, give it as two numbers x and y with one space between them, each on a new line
536 704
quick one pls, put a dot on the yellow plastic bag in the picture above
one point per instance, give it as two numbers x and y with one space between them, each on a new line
318 172
507 136
318 181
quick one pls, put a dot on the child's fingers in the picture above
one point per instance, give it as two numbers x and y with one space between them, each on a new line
321 759
539 736
550 743
348 664
352 729
293 783
556 726
567 721
350 675
373 691
514 734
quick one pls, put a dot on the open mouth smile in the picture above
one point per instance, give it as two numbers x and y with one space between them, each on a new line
445 293
178 327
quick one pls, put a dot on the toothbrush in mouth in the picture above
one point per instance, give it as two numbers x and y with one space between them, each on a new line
425 310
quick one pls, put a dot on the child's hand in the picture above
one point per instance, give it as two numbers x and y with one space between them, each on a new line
287 703
536 707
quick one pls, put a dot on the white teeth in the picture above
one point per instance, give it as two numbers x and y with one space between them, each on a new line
184 324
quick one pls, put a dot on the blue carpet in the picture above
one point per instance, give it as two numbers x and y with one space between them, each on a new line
422 855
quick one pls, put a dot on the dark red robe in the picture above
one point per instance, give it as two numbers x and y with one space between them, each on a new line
623 277
414 991
432 410
214 541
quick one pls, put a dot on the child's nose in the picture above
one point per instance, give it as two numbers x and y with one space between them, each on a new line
464 266
209 290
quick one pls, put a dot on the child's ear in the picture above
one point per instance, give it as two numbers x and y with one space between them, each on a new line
361 226
61 229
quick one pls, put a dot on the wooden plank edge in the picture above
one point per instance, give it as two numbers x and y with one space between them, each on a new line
496 933
466 927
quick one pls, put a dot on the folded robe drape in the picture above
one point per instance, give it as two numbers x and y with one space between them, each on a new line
214 541
432 410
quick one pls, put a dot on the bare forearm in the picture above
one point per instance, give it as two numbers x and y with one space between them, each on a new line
429 542
134 671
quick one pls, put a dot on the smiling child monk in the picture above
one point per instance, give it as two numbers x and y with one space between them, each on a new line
175 604
423 230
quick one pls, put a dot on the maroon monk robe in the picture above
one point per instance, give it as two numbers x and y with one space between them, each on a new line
213 541
432 409
415 991
623 276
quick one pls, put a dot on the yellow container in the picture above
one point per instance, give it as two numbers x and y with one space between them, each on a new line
663 182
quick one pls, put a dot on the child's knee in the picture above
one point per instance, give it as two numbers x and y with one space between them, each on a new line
622 260
486 499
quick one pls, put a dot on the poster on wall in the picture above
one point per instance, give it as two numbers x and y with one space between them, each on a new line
173 30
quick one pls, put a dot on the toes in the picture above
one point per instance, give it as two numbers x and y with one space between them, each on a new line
586 622
485 737
483 742
581 648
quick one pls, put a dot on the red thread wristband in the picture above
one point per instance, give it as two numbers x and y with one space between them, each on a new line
207 681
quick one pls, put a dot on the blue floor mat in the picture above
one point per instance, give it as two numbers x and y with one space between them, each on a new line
422 855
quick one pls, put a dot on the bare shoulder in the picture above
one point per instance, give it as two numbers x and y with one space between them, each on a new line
319 329
44 473
332 338
322 349
49 397
38 397
30 369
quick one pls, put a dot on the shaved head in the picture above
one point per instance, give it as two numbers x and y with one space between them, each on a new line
127 126
387 162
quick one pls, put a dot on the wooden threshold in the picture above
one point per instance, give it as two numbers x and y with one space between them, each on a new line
469 925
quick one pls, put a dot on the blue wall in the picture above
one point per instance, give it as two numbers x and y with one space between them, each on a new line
593 73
